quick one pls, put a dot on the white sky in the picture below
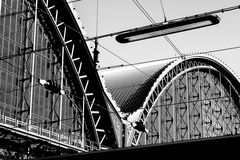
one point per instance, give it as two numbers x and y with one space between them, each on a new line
118 15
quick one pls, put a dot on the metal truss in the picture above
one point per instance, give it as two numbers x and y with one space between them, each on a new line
87 85
193 99
94 124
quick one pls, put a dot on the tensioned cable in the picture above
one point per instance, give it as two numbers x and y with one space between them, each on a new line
123 59
224 49
165 18
153 22
97 18
177 19
172 103
143 11
173 45
154 106
75 96
206 99
92 41
212 12
14 90
5 59
166 37
19 69
174 57
73 1
221 10
22 54
78 32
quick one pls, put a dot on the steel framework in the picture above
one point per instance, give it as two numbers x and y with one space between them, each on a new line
193 98
78 116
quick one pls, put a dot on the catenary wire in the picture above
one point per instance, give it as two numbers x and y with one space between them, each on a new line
73 1
187 55
112 52
164 14
153 22
212 12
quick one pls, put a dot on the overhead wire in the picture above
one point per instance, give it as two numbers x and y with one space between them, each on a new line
164 14
149 17
111 112
169 41
153 22
92 40
97 18
124 60
7 57
166 37
155 106
162 105
210 51
112 52
134 66
221 10
73 1
14 90
144 11
222 49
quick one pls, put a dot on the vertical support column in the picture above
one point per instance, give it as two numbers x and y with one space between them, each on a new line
61 96
230 107
222 94
142 134
174 112
159 119
187 101
124 136
212 105
62 75
201 102
83 116
33 67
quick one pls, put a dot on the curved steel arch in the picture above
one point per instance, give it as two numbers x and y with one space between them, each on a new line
199 96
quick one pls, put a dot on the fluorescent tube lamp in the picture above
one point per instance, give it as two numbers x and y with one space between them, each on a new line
166 28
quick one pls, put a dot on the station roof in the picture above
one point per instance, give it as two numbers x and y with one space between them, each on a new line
129 85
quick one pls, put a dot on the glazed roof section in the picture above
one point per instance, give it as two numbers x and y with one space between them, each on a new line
130 85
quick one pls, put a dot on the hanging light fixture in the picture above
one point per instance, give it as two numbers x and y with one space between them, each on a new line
169 27
53 87
139 126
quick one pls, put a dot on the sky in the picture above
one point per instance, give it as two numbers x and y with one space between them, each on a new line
100 17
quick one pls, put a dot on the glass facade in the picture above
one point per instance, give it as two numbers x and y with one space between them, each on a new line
16 62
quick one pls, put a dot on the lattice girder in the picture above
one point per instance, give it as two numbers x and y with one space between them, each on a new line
202 92
67 39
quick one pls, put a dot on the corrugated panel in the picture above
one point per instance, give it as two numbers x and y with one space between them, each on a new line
130 85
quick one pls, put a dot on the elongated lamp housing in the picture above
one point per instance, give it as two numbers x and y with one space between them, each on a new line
166 28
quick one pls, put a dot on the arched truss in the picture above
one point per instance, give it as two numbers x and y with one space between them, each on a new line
65 33
193 98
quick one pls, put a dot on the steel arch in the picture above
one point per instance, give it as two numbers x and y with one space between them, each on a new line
221 79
